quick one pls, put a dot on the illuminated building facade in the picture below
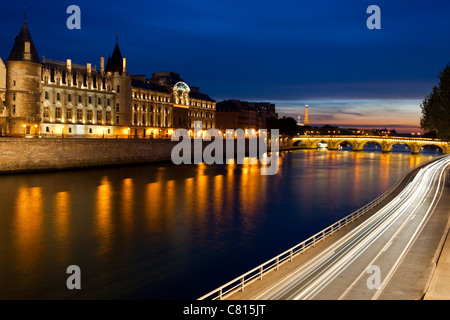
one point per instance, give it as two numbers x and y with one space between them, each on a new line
236 114
58 98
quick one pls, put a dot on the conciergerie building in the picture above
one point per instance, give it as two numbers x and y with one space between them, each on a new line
51 98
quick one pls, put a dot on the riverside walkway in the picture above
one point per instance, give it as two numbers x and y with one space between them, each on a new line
420 272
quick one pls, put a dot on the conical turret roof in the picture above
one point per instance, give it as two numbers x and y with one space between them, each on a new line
115 62
18 51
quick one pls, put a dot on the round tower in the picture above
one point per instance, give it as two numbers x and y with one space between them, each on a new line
23 82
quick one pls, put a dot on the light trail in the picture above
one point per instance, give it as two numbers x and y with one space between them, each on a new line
338 272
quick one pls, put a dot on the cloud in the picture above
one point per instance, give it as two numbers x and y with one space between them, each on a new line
355 112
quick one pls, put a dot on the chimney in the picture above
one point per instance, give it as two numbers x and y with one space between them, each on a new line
124 65
89 69
102 65
69 65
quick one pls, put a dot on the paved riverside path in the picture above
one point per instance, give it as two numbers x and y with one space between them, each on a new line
415 276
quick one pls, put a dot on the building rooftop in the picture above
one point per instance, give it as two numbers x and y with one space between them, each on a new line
24 49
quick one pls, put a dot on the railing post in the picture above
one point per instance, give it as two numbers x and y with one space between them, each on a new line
260 272
277 262
314 241
290 255
242 284
220 294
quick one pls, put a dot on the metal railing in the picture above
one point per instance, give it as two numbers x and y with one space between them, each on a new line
257 273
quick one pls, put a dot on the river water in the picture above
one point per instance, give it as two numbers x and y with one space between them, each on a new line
163 231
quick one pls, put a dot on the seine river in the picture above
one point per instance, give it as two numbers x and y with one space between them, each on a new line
163 231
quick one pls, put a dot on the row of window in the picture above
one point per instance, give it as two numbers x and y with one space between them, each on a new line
80 115
69 130
201 114
158 109
149 121
80 98
82 83
147 96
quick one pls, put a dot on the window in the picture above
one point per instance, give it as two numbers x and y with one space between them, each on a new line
14 109
90 115
99 100
69 98
99 116
69 114
79 115
118 89
79 99
70 130
117 119
46 112
14 97
90 99
27 54
108 102
46 95
108 116
90 130
57 112
14 83
58 97
47 129
117 107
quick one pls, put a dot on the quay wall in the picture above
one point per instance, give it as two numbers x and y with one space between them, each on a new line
24 154
33 154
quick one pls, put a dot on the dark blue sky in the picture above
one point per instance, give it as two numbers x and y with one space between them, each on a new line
292 53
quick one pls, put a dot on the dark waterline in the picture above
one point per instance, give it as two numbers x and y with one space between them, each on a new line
175 232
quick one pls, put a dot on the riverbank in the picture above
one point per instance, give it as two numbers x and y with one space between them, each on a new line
424 272
21 155
28 155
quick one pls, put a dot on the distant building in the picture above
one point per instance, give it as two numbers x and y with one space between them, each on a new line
47 98
306 122
236 114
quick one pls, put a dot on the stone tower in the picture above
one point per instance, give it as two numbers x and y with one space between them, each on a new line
116 67
23 81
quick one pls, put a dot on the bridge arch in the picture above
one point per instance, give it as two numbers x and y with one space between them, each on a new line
431 146
401 146
373 146
298 143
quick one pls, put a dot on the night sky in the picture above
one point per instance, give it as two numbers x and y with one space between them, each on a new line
291 53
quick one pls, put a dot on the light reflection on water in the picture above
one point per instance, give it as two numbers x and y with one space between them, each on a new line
174 232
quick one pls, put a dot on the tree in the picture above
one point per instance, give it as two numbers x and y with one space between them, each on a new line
436 108
288 126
